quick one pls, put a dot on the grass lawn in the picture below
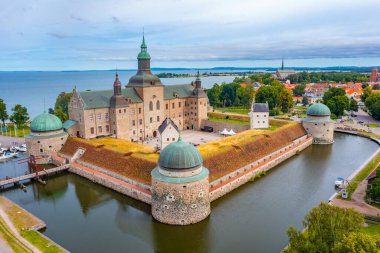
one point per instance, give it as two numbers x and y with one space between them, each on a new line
372 125
372 229
20 132
232 121
304 108
238 110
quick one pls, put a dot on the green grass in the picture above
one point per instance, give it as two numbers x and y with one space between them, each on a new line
40 242
372 229
372 125
16 245
238 110
20 132
361 176
304 108
232 121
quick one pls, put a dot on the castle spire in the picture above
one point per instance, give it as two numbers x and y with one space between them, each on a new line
198 82
117 86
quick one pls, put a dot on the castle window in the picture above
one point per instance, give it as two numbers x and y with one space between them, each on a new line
50 146
150 106
167 139
92 130
134 132
158 105
107 116
99 129
38 142
133 111
119 110
107 128
151 119
99 116
41 150
173 139
133 123
167 106
125 110
140 110
114 131
158 118
91 117
173 105
140 130
179 104
140 121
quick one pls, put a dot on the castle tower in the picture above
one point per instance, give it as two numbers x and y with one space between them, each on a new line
46 136
200 101
319 124
118 112
180 186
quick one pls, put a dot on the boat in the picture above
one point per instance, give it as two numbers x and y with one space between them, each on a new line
21 148
8 155
339 182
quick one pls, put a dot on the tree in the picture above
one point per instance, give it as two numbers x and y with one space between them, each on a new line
333 92
354 105
61 108
305 101
376 87
356 242
374 191
20 115
299 90
338 104
227 95
268 94
366 92
213 95
326 226
3 111
285 100
375 110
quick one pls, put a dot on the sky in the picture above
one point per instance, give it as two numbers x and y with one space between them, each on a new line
94 34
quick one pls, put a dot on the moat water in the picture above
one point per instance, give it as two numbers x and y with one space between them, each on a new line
85 217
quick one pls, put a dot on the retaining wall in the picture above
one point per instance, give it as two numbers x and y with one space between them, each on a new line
226 184
220 126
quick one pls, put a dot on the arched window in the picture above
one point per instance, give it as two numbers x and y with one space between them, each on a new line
158 105
150 106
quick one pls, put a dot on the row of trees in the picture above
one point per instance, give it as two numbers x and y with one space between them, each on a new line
337 101
316 77
19 114
372 102
231 94
332 229
277 96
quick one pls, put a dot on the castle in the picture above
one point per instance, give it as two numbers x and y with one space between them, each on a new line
136 111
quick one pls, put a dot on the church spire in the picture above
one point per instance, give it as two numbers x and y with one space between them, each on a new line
282 65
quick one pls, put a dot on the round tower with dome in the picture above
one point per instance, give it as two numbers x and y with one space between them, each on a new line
180 185
46 136
319 124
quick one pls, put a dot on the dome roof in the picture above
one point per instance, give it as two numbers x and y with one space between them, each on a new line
318 109
179 155
45 122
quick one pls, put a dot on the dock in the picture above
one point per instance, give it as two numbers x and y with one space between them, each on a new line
34 175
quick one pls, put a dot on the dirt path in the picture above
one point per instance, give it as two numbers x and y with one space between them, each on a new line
4 248
357 201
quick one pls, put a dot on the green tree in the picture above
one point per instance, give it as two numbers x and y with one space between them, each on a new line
61 108
213 95
3 111
285 100
268 94
371 99
366 92
299 90
19 115
376 87
305 101
227 95
354 105
338 104
375 110
326 226
356 242
374 191
331 93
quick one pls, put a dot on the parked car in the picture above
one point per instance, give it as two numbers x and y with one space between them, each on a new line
207 129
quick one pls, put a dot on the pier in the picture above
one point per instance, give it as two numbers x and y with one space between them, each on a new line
34 175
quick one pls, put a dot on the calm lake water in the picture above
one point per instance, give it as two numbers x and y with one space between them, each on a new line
85 217
31 89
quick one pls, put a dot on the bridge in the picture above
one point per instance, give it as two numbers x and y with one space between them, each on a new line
34 175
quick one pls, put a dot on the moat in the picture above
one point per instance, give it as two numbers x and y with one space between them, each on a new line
85 217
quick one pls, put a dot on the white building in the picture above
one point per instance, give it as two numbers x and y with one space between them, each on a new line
259 115
169 132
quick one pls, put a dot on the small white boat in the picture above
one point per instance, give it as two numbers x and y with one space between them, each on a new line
8 155
21 148
339 182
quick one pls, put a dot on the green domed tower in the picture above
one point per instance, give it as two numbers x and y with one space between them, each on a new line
319 124
46 136
180 185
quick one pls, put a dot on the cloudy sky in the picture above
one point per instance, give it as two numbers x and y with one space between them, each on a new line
94 34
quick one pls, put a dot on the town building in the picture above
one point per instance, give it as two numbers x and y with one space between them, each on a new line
375 76
136 111
169 132
180 185
319 124
46 137
259 115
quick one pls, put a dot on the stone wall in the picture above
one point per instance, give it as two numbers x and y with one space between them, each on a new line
323 133
226 184
180 203
220 126
112 183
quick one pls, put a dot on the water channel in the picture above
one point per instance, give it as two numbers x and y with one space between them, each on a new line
84 217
